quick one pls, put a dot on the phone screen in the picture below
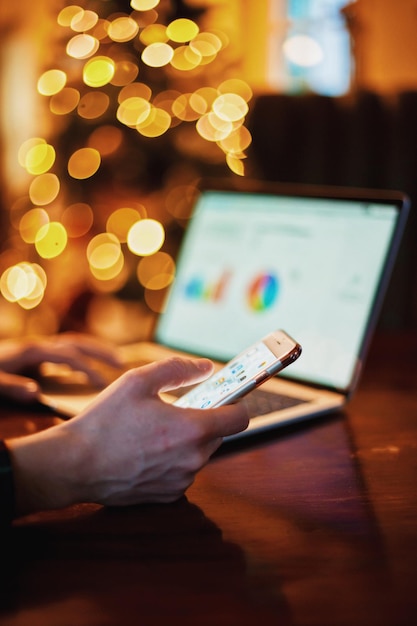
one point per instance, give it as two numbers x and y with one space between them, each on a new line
236 374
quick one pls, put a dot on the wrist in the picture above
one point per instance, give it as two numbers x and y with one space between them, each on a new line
46 470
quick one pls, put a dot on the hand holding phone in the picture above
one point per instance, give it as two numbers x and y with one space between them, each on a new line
244 373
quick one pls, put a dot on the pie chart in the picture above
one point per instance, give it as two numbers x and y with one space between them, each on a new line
263 292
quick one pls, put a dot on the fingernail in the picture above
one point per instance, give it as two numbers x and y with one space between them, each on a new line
204 365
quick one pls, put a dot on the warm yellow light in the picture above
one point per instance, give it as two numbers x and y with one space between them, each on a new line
97 242
145 237
84 163
135 90
189 107
98 71
236 86
51 240
26 147
182 30
132 111
40 159
82 46
93 104
143 5
156 124
51 82
67 14
65 101
156 271
230 107
44 189
206 44
109 273
105 256
153 33
209 94
123 29
84 20
238 141
185 59
157 54
235 165
24 283
31 222
121 220
212 128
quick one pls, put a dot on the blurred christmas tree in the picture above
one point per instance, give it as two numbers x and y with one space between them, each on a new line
141 104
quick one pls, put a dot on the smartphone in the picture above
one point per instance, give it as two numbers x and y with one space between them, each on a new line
244 373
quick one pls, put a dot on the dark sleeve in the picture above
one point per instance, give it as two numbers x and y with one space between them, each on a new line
7 500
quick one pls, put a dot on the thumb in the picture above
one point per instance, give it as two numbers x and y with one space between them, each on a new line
175 372
18 388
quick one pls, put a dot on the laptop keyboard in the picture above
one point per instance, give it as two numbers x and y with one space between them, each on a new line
260 402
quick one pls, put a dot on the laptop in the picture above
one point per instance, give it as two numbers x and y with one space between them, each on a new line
259 256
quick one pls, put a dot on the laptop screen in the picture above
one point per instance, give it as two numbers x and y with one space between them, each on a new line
251 263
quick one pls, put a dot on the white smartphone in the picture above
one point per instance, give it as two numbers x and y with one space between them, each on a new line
244 373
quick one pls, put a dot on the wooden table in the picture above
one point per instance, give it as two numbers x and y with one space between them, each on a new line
314 525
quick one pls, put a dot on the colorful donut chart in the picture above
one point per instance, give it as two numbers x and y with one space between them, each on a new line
263 292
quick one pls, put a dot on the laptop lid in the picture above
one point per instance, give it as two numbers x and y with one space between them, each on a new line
259 256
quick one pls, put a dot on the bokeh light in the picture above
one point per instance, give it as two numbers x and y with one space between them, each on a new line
84 163
154 33
51 240
155 124
99 71
44 189
84 20
40 158
93 104
182 30
67 14
123 29
24 283
122 73
144 5
157 54
230 107
105 256
120 221
51 82
145 237
65 101
156 271
82 46
185 59
31 222
135 90
133 111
